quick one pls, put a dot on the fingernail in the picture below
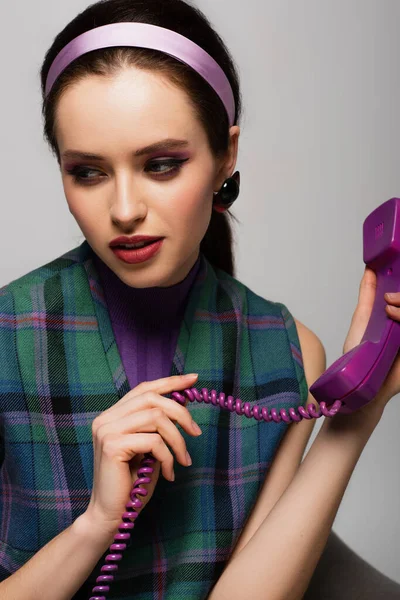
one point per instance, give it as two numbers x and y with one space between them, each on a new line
389 296
189 460
196 428
190 376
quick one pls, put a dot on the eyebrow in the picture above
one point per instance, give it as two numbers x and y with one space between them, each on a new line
167 144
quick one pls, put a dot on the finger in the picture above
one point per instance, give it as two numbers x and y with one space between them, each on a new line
165 385
150 421
393 311
175 411
366 295
395 299
127 446
363 310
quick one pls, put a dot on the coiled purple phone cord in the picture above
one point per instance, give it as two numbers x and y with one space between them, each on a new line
145 469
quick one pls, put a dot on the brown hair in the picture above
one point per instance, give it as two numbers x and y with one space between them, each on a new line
179 16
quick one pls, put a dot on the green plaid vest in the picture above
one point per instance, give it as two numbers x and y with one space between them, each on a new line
60 367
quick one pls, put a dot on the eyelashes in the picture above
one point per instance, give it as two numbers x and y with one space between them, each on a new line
80 174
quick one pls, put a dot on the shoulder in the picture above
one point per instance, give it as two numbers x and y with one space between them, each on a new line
291 451
311 346
241 294
306 347
42 274
313 352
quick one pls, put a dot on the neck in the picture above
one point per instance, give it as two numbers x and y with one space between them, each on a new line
155 306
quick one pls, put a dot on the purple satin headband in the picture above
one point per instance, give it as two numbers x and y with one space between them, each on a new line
143 35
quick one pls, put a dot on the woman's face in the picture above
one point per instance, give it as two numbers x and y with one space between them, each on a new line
124 190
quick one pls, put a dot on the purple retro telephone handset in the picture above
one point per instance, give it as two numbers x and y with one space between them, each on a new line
350 382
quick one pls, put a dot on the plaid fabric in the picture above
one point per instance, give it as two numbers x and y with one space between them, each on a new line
60 367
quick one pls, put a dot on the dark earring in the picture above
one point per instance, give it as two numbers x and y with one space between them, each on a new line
227 194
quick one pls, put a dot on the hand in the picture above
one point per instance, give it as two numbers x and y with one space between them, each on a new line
123 433
361 316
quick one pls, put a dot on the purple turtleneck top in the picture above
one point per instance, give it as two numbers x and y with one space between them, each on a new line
145 322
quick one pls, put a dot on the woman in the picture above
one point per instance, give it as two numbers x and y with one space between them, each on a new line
93 344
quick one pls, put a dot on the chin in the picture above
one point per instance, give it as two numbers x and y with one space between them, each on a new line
142 278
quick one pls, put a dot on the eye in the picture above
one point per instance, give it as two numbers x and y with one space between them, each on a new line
81 175
174 165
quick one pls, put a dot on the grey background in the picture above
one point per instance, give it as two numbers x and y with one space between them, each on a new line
318 152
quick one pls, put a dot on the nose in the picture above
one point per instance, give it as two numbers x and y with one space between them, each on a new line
128 204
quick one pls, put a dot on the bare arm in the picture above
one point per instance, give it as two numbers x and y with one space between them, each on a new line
59 569
278 561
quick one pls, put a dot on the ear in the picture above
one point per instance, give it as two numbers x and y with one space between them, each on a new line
228 162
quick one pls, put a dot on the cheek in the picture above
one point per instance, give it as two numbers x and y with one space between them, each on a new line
82 210
194 205
72 198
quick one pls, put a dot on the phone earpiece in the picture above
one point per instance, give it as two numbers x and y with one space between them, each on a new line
356 377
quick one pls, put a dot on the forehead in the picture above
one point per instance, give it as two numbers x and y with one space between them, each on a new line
132 102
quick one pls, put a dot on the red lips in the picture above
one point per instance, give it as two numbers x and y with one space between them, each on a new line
135 239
